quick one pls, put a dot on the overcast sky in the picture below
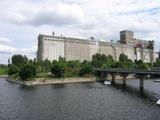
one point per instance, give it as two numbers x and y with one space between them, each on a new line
22 20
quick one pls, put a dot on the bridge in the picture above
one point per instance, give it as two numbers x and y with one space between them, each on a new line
125 72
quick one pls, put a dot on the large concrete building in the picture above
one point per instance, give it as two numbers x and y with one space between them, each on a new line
51 47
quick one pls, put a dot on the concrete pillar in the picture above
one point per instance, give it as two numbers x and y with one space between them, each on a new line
106 76
141 83
113 78
103 76
124 80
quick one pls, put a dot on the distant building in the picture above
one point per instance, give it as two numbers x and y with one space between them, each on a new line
51 47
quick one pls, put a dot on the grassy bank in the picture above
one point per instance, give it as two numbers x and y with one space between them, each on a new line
3 71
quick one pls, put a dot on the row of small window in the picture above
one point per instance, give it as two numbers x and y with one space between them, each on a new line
54 39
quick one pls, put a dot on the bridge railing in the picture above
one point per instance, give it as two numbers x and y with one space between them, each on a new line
136 71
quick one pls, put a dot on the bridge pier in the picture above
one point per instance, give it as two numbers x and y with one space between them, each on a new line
113 78
141 73
124 80
103 76
141 83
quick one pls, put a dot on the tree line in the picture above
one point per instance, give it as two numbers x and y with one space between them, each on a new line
28 69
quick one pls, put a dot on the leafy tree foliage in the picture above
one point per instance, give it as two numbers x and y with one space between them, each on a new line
39 66
72 69
61 59
124 62
27 69
102 61
157 63
28 72
58 69
96 60
141 65
110 59
13 70
19 60
3 69
123 57
47 65
86 69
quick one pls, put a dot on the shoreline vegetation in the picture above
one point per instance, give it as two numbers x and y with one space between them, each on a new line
24 70
3 70
43 81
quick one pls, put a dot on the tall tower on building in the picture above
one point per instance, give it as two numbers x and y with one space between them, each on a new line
127 37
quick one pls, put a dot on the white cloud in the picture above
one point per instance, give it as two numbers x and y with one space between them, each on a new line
23 20
5 41
50 13
6 48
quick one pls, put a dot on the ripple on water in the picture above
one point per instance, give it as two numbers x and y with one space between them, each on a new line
80 101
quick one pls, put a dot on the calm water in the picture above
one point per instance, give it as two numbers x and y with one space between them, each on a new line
87 101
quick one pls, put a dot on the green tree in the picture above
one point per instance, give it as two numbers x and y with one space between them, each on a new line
28 72
124 62
47 65
3 69
19 60
58 69
157 63
141 65
72 69
61 59
110 60
123 57
128 64
13 70
96 61
102 61
86 69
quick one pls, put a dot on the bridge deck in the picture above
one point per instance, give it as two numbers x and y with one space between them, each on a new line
130 71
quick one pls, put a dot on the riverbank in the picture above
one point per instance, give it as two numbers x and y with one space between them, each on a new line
40 81
43 81
3 76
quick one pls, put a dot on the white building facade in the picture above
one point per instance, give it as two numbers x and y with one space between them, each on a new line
51 47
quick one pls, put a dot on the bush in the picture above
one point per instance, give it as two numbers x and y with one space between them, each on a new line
141 65
58 70
27 72
86 69
102 61
72 69
13 70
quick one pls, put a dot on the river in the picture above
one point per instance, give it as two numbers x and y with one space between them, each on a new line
79 101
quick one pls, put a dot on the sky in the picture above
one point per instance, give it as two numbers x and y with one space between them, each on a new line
21 21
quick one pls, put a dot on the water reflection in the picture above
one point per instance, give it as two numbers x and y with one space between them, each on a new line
58 86
135 91
24 87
